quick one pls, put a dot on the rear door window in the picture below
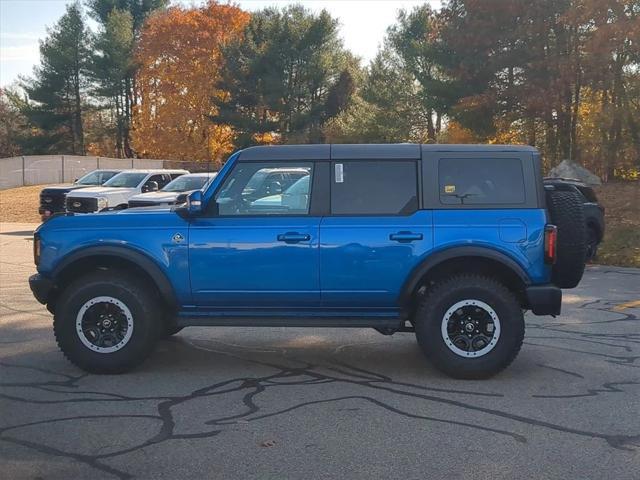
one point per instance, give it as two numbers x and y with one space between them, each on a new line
481 181
376 187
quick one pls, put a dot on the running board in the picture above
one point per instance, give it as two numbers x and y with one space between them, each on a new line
292 321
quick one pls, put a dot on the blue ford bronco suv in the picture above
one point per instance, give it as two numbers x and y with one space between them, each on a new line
452 242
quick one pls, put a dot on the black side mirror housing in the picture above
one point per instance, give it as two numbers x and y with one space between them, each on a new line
151 186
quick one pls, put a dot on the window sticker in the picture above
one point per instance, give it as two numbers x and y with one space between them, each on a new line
449 189
339 173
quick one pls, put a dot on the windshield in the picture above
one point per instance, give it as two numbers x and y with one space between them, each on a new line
95 178
186 182
299 188
255 181
126 180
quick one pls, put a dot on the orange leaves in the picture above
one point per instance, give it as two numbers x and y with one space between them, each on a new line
179 58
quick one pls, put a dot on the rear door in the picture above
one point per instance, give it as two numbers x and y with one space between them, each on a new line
375 234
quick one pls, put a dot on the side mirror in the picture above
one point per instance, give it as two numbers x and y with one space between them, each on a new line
194 203
151 186
75 180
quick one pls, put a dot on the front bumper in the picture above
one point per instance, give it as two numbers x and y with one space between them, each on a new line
544 299
41 287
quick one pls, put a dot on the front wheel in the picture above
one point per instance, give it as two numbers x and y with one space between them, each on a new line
106 322
470 326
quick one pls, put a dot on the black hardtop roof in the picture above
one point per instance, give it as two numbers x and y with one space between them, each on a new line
366 151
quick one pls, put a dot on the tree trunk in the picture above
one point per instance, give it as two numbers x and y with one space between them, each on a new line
431 132
78 115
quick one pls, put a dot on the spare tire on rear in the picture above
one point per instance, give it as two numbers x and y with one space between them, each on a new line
567 213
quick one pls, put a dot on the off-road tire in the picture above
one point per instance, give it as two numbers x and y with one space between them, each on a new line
126 288
567 213
441 297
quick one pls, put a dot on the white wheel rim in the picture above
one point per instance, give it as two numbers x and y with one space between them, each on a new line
470 304
81 331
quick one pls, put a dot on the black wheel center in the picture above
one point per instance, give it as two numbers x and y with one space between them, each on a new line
471 328
104 324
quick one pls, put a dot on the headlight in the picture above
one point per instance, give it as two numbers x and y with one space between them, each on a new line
36 249
102 203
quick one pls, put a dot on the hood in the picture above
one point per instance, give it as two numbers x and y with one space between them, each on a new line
116 221
158 196
61 189
102 191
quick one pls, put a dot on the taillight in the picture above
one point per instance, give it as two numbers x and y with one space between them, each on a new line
550 243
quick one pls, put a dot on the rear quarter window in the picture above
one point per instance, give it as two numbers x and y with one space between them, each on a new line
481 181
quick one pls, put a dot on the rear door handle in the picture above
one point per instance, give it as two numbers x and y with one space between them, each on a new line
405 237
294 237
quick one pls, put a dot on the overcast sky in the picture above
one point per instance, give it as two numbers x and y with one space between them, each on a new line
23 22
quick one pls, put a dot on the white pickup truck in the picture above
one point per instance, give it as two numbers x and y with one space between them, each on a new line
116 192
175 192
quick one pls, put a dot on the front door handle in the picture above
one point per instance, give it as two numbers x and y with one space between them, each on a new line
294 237
405 237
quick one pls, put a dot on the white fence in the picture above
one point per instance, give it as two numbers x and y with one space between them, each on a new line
47 169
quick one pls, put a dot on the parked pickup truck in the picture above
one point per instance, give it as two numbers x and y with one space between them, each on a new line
115 193
52 199
451 242
174 192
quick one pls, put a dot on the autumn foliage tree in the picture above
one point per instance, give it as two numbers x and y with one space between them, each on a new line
179 57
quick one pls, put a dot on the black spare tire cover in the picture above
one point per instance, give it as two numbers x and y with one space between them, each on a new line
567 213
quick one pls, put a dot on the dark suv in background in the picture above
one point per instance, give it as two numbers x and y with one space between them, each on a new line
52 199
593 211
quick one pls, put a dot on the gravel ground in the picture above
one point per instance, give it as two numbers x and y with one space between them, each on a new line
277 403
20 204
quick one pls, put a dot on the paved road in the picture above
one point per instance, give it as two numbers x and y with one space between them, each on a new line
309 403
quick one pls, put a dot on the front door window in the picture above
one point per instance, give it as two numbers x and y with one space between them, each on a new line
266 189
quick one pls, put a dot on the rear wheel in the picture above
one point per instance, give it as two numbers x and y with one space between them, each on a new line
106 322
470 326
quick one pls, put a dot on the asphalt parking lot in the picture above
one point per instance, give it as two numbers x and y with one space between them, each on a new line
320 403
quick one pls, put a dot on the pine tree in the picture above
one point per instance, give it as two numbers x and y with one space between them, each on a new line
279 76
113 68
55 99
111 71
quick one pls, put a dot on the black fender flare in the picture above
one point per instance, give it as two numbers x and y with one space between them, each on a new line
437 258
141 260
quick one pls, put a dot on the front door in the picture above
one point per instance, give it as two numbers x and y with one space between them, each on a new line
259 246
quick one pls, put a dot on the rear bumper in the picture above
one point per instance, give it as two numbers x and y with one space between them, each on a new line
41 287
544 299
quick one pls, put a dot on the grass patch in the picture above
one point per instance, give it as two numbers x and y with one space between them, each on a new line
621 246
